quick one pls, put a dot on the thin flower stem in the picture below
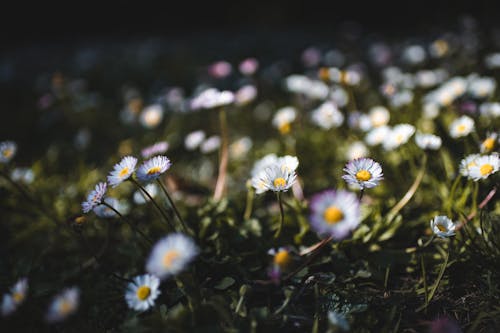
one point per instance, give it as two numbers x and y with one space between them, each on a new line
282 216
163 214
220 185
361 194
172 205
452 194
249 204
438 280
134 228
407 197
424 278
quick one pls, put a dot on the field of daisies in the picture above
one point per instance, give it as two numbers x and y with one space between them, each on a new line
347 186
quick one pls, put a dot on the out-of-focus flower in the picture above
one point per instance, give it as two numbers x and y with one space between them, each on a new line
301 84
484 166
142 292
378 116
442 226
194 139
489 143
8 150
211 144
377 135
153 168
414 54
25 175
155 149
399 135
428 141
288 163
462 126
481 87
334 213
245 94
467 163
263 163
311 57
356 150
282 257
283 119
430 110
240 147
275 178
363 173
63 305
220 69
151 116
327 116
212 98
122 171
94 198
439 48
171 255
15 297
492 61
248 66
490 110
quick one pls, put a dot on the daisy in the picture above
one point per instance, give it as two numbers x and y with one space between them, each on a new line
288 163
334 213
7 151
377 135
95 197
153 168
379 116
156 149
122 171
484 166
240 148
211 144
283 119
363 173
399 134
467 163
489 143
461 127
356 150
142 292
171 255
63 305
327 116
151 116
264 163
194 139
281 257
275 178
15 297
428 141
442 226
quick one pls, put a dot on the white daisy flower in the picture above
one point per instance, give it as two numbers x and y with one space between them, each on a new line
264 163
15 297
283 119
467 163
7 151
482 87
211 144
399 134
489 143
245 94
288 163
240 148
428 141
63 305
212 98
490 110
275 178
122 171
94 198
334 213
377 135
194 139
462 126
356 150
142 292
171 255
442 226
363 173
484 166
153 168
151 116
327 116
379 116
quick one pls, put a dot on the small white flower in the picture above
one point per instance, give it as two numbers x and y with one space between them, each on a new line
275 178
194 139
212 98
122 171
428 141
240 147
263 163
94 198
7 151
482 87
379 116
400 134
489 143
288 163
211 144
142 292
363 173
467 163
327 116
377 135
63 305
484 166
245 94
462 126
153 168
490 110
155 149
356 150
171 255
25 175
283 119
442 226
15 297
151 116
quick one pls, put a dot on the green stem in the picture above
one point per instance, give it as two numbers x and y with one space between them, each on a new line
134 228
172 205
452 194
249 204
163 214
282 216
220 185
424 278
438 280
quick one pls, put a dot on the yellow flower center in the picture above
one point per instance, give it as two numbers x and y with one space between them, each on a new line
7 153
18 297
65 307
80 220
170 257
486 169
154 170
441 228
489 144
399 138
461 128
279 182
363 175
124 172
285 128
282 258
324 74
143 292
333 215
